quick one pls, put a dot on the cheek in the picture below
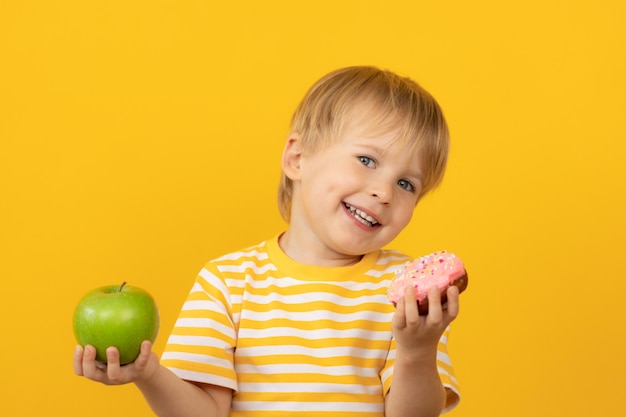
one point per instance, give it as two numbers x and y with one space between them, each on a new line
318 187
405 212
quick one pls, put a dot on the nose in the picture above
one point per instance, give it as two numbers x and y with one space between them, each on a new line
383 193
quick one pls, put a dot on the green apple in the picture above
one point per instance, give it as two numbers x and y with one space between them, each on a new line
116 315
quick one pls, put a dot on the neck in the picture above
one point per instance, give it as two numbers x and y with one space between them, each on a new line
303 251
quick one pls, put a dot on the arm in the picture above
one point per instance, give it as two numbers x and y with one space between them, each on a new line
166 393
416 390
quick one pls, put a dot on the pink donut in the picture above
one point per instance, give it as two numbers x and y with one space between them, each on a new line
440 269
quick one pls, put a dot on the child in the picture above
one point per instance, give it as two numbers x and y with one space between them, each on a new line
300 324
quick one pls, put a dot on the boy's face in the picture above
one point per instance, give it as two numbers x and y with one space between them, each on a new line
355 195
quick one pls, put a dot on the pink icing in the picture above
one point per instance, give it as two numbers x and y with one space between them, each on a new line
438 269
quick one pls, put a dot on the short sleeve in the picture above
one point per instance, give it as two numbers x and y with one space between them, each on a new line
201 345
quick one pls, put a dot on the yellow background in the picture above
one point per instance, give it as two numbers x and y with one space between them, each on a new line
141 138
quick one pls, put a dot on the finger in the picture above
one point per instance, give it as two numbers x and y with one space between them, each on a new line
78 360
89 362
410 310
435 310
113 364
399 319
145 351
453 302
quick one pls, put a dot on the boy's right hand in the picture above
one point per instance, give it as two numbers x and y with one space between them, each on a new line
112 373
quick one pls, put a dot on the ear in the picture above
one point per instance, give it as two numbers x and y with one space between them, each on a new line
292 155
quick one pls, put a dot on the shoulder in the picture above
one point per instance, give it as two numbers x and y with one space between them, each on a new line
231 270
392 256
253 259
389 261
258 251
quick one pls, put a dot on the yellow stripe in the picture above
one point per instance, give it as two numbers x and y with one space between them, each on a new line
316 324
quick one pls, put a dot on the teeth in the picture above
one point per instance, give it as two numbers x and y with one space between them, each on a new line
365 216
362 216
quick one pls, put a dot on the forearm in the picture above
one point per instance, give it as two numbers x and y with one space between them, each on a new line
416 390
169 396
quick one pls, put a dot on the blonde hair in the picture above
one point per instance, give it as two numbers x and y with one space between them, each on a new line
388 103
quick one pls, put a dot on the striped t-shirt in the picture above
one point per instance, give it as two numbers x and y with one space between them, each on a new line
293 339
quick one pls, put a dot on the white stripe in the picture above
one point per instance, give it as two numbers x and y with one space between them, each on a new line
247 266
328 352
201 305
444 372
201 323
444 357
252 253
308 406
392 269
211 280
201 341
386 374
215 282
390 255
289 282
317 297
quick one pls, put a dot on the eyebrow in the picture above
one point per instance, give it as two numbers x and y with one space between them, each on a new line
370 145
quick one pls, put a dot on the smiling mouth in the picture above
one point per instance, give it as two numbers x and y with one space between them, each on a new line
361 216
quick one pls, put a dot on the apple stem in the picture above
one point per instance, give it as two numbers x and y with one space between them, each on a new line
121 286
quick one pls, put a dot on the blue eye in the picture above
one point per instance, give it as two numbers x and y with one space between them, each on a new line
367 161
406 185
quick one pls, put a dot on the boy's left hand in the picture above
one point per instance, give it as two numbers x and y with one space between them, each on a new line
413 331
